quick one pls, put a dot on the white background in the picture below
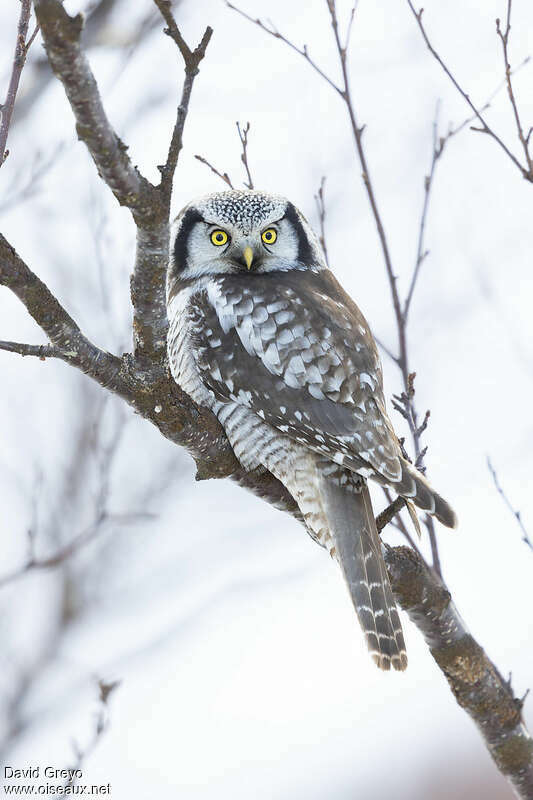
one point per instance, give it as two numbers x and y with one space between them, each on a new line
244 673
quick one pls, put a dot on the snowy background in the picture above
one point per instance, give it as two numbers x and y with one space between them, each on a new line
243 670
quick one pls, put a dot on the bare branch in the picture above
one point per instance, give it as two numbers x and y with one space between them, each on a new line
386 349
64 553
475 682
321 209
26 182
61 35
527 173
272 31
142 380
42 351
350 26
151 391
387 515
222 175
61 329
391 514
516 514
504 38
439 143
149 204
243 136
192 59
32 37
422 253
21 51
105 690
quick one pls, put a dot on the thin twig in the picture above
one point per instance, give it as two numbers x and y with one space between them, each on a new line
222 175
32 37
19 59
391 513
386 349
350 26
105 454
527 173
272 31
504 38
421 253
321 209
81 754
243 136
27 183
42 351
516 514
192 59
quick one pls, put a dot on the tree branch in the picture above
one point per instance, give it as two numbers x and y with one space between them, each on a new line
475 682
61 34
321 210
504 38
243 136
192 59
516 514
272 31
19 59
527 172
42 351
142 380
222 175
70 344
149 204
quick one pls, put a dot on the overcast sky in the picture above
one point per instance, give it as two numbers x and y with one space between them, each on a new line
244 673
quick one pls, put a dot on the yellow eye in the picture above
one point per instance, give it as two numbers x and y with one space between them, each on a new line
219 238
269 236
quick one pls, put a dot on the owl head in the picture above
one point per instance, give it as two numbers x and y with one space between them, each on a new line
241 232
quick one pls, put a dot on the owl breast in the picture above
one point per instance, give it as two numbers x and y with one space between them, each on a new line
255 443
180 353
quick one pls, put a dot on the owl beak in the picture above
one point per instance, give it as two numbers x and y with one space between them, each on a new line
248 255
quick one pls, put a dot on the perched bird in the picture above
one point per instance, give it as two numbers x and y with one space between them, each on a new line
261 333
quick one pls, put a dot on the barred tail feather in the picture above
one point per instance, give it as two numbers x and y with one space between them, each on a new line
351 520
414 486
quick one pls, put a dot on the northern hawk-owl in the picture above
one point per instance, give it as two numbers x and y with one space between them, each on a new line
262 333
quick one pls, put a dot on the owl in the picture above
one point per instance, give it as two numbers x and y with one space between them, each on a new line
262 333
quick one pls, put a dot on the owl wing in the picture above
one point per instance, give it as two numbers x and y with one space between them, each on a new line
295 349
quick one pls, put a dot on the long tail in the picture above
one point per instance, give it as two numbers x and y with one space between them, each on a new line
358 548
413 485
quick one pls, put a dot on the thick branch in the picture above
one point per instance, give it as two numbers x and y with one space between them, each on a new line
58 325
149 204
475 682
61 34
